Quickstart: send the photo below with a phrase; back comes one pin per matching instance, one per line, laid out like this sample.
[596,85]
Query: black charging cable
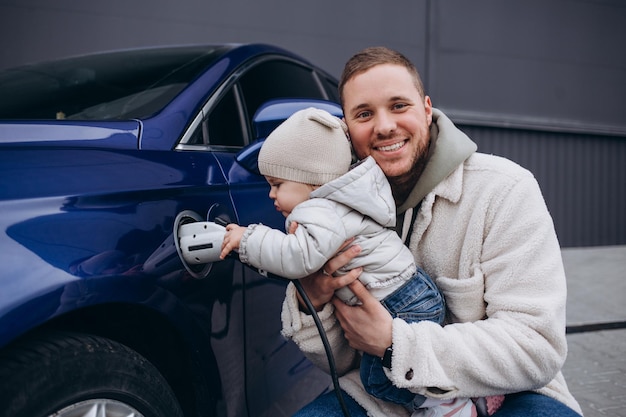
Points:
[329,353]
[318,323]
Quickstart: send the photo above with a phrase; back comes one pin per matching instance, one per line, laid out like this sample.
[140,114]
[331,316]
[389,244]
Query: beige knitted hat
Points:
[310,147]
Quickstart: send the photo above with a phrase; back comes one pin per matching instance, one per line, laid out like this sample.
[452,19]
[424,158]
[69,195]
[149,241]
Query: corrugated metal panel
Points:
[582,177]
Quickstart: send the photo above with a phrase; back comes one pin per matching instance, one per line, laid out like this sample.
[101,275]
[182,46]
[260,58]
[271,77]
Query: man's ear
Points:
[428,109]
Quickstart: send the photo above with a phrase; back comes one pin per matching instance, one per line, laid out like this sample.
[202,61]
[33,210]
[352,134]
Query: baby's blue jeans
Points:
[417,300]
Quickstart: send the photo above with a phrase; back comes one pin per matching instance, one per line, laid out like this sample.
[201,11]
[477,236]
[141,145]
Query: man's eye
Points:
[399,106]
[363,115]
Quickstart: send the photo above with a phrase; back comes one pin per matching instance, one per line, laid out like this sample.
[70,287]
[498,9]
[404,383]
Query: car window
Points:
[277,79]
[224,124]
[265,81]
[118,85]
[331,89]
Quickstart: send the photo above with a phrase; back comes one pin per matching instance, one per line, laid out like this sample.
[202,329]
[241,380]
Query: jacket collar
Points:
[449,148]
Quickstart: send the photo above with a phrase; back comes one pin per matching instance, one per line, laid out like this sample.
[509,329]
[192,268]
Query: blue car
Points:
[103,159]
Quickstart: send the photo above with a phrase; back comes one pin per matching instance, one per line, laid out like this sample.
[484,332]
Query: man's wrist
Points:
[302,304]
[303,307]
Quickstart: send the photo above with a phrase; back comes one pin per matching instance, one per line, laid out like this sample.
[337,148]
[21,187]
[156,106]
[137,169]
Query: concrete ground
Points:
[595,368]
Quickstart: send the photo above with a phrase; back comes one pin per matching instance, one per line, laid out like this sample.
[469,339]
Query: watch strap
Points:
[387,357]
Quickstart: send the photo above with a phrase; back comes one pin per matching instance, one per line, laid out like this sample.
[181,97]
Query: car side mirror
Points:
[269,116]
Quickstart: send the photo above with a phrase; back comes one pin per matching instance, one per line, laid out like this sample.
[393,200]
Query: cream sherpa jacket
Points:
[485,236]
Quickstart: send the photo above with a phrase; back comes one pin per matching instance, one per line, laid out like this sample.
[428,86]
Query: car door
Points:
[273,368]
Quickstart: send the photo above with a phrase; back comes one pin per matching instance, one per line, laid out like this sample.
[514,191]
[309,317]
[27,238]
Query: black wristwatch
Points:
[387,357]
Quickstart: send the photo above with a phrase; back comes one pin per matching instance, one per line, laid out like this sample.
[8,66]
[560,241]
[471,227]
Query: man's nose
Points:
[385,124]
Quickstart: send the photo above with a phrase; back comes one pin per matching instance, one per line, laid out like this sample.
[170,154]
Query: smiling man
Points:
[390,122]
[479,226]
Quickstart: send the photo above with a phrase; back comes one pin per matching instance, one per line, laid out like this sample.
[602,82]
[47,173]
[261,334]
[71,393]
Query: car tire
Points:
[72,375]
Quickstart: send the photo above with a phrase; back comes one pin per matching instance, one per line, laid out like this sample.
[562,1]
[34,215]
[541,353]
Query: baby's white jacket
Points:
[357,204]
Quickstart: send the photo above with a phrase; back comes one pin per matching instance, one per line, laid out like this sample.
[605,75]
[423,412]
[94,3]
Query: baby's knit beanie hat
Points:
[310,147]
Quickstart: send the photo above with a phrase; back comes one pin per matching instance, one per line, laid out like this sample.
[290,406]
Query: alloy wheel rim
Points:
[98,408]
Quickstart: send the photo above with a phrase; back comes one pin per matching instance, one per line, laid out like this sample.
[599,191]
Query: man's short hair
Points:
[377,55]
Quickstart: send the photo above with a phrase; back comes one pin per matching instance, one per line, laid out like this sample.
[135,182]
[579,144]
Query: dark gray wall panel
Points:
[324,31]
[582,177]
[555,64]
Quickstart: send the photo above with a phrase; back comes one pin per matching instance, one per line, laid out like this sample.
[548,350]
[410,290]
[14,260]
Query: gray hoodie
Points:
[358,204]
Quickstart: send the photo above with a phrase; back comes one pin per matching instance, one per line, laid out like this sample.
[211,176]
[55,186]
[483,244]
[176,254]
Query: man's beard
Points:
[401,185]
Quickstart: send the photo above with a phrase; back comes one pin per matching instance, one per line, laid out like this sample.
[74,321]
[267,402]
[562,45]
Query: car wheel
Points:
[78,375]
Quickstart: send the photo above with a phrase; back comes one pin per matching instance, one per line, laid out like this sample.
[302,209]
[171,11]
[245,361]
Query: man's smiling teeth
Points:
[393,147]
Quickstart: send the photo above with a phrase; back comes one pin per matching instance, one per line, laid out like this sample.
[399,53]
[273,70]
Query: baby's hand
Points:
[232,238]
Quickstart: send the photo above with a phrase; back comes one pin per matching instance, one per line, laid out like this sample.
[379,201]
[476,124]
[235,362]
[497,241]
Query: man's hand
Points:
[368,326]
[320,287]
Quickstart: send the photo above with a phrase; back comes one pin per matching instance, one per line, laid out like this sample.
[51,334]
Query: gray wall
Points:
[582,177]
[549,69]
[553,64]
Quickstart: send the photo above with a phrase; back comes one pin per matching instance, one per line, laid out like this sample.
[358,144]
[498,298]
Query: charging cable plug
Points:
[201,242]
